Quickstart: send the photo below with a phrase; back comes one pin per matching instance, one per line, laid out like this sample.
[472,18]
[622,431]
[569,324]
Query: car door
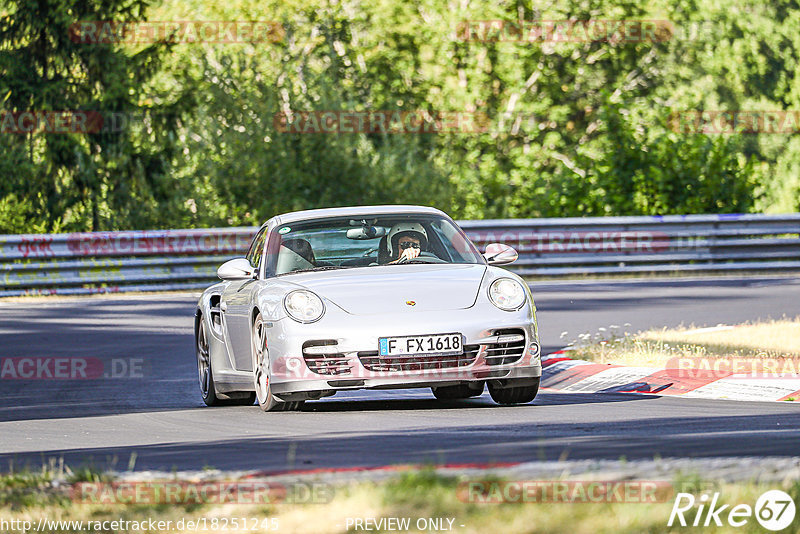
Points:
[236,305]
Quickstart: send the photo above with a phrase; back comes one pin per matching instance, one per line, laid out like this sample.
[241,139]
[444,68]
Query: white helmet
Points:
[415,229]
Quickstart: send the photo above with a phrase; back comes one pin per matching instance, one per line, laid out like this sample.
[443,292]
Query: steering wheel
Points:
[424,257]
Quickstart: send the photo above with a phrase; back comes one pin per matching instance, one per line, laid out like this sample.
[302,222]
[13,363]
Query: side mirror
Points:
[236,269]
[500,254]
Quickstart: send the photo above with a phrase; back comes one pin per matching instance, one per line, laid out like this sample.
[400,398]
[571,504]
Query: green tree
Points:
[576,128]
[85,181]
[645,170]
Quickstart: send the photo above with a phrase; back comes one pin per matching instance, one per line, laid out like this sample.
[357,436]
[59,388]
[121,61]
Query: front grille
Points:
[505,353]
[328,363]
[373,362]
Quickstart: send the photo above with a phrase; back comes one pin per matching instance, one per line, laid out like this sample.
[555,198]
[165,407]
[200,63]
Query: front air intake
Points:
[323,358]
[508,347]
[387,364]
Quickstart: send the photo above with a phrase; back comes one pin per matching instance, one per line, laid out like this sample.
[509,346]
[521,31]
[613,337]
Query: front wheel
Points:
[266,400]
[511,394]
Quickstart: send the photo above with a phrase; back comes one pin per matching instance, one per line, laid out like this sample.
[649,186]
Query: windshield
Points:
[346,242]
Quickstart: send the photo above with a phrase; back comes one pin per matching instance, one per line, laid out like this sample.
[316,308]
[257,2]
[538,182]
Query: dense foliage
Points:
[574,128]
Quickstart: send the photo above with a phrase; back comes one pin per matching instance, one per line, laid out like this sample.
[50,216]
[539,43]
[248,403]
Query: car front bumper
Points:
[353,349]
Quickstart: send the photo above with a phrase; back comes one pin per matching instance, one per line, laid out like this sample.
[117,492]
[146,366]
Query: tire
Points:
[457,392]
[208,390]
[263,390]
[511,394]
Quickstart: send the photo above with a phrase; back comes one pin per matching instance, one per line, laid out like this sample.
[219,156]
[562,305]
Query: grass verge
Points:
[776,339]
[417,496]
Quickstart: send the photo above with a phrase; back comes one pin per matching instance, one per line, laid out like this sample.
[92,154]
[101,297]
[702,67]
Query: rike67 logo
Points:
[774,510]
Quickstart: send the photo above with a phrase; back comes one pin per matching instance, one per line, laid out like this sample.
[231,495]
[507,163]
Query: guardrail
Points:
[109,262]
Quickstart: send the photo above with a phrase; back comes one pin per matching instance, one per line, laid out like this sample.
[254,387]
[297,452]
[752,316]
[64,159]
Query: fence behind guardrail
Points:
[106,262]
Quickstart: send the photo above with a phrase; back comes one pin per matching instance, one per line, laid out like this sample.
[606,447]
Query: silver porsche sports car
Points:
[370,297]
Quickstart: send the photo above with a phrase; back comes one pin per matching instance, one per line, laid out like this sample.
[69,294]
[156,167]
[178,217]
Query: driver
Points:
[405,241]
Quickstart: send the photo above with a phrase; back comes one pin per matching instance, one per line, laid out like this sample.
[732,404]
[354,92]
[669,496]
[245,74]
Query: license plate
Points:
[444,344]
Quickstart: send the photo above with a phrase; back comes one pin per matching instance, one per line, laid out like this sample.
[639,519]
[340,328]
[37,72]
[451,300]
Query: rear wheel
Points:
[457,392]
[206,375]
[261,379]
[511,394]
[204,366]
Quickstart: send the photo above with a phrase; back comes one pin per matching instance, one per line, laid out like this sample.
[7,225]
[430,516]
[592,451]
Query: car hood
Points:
[394,288]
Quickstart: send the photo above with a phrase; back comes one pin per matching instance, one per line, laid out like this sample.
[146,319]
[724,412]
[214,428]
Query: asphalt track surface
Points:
[160,421]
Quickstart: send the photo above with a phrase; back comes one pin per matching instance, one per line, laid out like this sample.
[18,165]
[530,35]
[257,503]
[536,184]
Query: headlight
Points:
[303,306]
[507,294]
